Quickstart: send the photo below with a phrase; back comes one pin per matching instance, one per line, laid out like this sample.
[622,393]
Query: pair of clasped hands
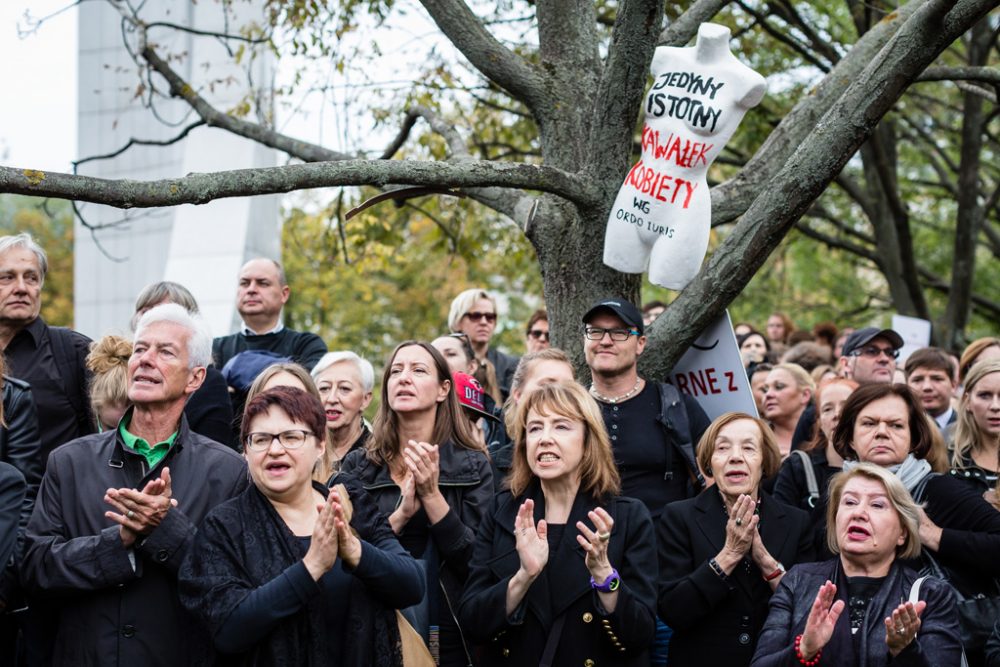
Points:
[140,512]
[420,483]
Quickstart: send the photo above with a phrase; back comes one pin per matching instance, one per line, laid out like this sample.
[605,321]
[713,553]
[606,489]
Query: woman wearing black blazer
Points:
[722,554]
[578,587]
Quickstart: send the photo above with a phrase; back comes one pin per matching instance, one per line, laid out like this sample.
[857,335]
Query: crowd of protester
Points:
[174,499]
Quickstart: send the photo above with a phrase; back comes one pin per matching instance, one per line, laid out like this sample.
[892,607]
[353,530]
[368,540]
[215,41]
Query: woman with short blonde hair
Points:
[868,610]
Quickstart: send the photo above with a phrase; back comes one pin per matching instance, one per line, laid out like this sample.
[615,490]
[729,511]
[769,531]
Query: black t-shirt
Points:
[651,471]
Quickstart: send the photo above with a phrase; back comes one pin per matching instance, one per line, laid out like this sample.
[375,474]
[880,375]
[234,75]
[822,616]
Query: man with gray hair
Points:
[261,294]
[51,359]
[117,512]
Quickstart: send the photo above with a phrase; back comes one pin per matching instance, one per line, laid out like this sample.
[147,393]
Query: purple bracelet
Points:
[609,585]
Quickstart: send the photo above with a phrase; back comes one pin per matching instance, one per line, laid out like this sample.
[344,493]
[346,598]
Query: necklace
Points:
[615,399]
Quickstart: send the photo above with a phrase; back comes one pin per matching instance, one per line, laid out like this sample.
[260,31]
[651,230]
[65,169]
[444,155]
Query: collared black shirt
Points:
[59,389]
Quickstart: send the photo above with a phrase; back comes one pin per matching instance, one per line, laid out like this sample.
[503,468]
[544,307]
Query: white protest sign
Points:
[916,333]
[712,372]
[662,216]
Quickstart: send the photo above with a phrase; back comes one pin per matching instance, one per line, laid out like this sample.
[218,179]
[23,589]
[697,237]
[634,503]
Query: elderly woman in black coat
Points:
[722,553]
[280,575]
[863,608]
[563,571]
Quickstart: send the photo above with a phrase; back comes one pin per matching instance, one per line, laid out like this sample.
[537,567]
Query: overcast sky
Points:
[38,80]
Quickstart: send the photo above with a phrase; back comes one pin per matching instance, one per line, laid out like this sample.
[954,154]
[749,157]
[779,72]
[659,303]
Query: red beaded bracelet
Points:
[802,658]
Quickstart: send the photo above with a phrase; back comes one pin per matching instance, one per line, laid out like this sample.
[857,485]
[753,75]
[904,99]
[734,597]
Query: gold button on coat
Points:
[588,663]
[505,652]
[587,617]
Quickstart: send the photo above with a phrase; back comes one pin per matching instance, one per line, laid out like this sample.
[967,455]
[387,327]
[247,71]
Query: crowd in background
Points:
[172,499]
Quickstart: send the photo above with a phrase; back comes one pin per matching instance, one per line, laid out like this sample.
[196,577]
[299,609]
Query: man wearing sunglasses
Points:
[869,355]
[474,313]
[536,334]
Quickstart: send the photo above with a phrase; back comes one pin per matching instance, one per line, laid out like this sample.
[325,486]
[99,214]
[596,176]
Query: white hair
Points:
[364,367]
[461,304]
[25,241]
[199,344]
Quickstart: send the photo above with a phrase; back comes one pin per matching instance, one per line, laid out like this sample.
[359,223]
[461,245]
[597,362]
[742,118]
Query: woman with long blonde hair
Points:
[976,455]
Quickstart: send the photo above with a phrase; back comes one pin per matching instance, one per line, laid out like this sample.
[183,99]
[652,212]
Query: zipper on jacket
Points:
[461,635]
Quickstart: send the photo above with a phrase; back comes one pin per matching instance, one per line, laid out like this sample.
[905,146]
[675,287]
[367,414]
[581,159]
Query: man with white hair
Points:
[117,512]
[51,359]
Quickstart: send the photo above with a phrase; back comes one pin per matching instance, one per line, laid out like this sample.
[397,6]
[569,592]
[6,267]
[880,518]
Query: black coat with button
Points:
[590,635]
[716,621]
[109,611]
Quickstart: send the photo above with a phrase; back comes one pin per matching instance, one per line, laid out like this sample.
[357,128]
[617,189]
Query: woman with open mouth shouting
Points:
[864,607]
[723,552]
[564,569]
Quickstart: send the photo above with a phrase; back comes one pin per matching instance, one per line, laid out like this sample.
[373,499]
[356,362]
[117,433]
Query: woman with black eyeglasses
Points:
[285,573]
[474,313]
[536,334]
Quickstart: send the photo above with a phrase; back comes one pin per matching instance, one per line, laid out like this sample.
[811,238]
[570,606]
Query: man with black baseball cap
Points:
[869,355]
[653,428]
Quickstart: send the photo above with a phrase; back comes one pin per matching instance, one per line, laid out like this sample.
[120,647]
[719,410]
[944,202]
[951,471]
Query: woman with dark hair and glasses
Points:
[426,471]
[536,334]
[280,575]
[474,313]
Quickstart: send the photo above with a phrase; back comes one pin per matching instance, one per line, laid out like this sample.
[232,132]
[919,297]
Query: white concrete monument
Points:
[663,213]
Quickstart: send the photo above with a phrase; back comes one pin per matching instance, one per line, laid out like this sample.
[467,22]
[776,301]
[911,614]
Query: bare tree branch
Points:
[202,188]
[990,75]
[521,79]
[685,27]
[254,131]
[140,142]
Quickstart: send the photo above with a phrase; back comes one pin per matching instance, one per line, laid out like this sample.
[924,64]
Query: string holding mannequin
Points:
[662,216]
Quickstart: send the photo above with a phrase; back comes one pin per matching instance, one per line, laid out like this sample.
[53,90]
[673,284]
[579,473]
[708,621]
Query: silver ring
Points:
[739,521]
[900,630]
[130,514]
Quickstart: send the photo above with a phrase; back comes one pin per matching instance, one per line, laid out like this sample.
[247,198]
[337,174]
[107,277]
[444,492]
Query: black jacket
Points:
[590,635]
[19,440]
[504,365]
[682,421]
[209,411]
[716,622]
[938,642]
[11,495]
[466,482]
[111,612]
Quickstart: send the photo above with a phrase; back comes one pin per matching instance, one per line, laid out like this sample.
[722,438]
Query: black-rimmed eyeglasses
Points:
[618,335]
[291,439]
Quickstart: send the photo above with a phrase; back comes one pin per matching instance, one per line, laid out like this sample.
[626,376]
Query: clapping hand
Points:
[902,626]
[348,544]
[741,529]
[422,460]
[532,542]
[325,543]
[140,512]
[822,619]
[595,543]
